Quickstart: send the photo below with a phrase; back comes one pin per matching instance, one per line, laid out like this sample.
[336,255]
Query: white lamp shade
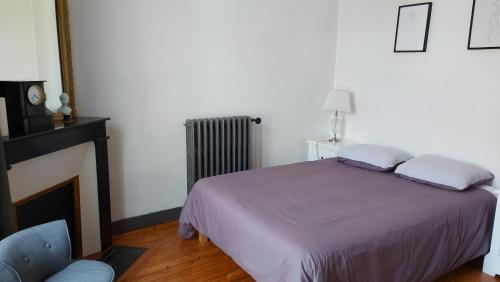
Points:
[338,100]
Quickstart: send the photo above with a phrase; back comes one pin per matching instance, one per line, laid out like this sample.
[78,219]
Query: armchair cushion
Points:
[84,271]
[36,253]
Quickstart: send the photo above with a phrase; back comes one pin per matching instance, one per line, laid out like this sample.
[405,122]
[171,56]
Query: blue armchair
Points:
[43,253]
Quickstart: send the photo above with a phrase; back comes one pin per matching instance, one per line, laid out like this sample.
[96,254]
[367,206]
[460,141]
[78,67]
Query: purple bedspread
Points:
[326,221]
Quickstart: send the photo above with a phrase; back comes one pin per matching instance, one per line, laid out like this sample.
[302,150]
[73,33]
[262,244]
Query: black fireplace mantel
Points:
[22,147]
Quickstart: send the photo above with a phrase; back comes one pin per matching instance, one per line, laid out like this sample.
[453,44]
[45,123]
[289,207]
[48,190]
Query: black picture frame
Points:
[469,47]
[428,24]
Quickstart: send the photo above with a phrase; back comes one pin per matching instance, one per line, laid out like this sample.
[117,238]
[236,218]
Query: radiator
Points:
[217,146]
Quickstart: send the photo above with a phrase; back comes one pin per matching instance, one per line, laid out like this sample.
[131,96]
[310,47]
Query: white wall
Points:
[150,65]
[444,101]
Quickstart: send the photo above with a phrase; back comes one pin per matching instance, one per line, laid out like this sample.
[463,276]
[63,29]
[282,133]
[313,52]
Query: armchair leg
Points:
[202,238]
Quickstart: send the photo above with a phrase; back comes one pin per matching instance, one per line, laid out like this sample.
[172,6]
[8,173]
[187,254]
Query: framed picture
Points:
[485,25]
[412,29]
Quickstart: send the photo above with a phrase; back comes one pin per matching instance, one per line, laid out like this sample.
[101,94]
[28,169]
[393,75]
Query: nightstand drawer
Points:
[324,149]
[321,154]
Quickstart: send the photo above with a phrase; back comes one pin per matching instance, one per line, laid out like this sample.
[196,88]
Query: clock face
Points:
[36,95]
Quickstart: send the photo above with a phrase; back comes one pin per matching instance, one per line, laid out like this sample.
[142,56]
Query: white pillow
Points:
[443,172]
[372,157]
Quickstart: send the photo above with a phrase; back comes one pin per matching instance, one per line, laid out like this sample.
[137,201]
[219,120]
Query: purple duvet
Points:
[326,221]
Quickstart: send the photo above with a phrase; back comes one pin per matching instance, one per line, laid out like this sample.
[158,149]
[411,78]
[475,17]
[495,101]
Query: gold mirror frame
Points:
[65,55]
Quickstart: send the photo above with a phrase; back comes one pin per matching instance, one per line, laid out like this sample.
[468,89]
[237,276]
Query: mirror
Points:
[47,50]
[35,45]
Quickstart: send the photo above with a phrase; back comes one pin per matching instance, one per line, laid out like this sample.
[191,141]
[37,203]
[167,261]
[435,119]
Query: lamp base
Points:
[334,124]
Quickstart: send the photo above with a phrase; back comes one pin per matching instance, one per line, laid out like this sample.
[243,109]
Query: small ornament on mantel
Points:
[64,108]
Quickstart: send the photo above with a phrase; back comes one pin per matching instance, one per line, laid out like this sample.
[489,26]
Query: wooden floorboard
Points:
[169,258]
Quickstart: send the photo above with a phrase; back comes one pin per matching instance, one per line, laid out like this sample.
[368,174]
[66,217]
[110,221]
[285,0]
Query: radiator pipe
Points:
[257,120]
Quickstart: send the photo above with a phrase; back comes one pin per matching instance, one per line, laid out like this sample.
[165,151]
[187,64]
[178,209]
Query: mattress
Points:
[326,221]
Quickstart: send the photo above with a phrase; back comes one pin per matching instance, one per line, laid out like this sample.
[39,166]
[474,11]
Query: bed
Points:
[327,221]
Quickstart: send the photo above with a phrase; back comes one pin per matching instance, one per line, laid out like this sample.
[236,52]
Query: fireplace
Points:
[61,201]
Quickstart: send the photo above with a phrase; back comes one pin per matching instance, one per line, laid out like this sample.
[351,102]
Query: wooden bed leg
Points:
[202,238]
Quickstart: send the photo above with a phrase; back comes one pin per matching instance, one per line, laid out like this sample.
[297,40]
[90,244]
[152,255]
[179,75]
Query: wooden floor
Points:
[171,259]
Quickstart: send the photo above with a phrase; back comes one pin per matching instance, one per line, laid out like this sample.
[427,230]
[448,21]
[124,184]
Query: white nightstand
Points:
[320,149]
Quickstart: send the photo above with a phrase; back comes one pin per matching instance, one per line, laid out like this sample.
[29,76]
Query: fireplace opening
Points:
[61,201]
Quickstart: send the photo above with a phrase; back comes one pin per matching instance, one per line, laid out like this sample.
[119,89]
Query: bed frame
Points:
[491,264]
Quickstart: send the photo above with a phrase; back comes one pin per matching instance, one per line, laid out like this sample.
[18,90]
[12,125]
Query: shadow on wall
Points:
[116,174]
[256,146]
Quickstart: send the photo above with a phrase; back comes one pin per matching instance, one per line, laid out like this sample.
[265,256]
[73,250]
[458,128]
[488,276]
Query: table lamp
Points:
[338,101]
